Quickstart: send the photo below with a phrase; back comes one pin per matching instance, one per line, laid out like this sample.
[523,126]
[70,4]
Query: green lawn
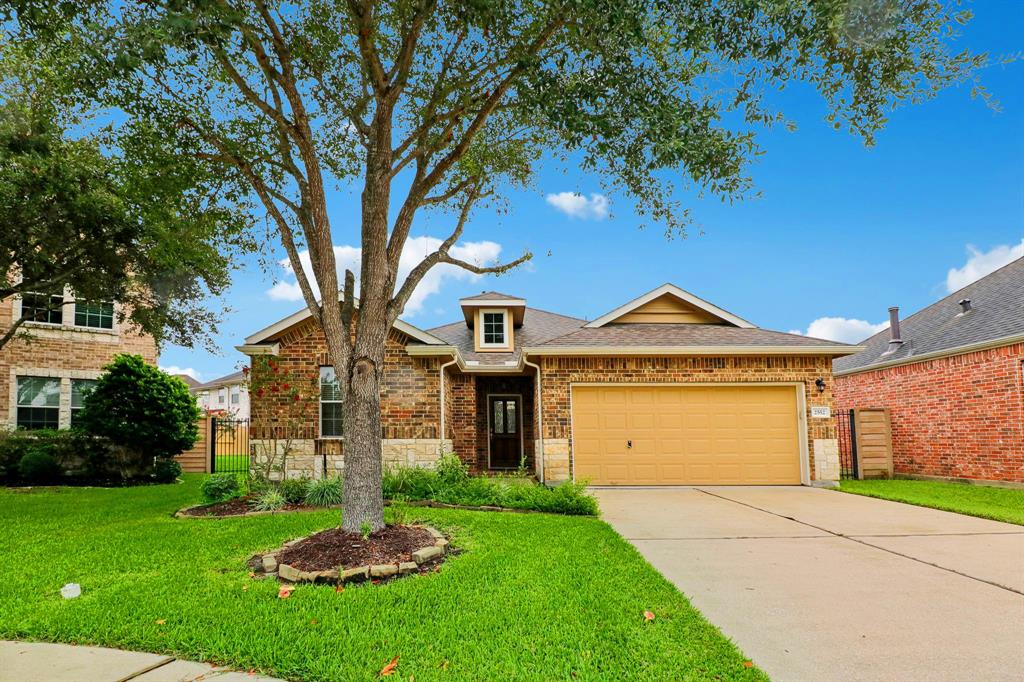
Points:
[1001,504]
[534,596]
[232,463]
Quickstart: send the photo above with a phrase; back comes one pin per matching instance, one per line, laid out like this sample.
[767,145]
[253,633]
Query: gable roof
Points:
[226,380]
[540,326]
[189,381]
[683,295]
[300,315]
[494,296]
[996,318]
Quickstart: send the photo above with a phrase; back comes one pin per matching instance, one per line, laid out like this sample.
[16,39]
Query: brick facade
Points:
[956,417]
[61,351]
[559,373]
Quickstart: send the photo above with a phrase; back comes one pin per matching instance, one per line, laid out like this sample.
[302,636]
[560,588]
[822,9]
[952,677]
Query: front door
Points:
[504,420]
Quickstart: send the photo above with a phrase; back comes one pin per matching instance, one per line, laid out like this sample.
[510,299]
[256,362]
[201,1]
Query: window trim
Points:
[506,342]
[71,400]
[85,301]
[21,309]
[18,406]
[320,407]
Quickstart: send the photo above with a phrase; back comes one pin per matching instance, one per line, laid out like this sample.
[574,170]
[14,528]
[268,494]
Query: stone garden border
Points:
[272,568]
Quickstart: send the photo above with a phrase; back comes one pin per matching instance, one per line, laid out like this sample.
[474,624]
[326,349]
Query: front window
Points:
[80,388]
[94,314]
[330,404]
[38,403]
[493,328]
[48,308]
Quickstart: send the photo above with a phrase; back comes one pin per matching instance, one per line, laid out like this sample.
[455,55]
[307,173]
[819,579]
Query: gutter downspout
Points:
[540,418]
[440,444]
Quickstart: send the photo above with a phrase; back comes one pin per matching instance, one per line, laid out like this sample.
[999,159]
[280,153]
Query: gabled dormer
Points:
[493,317]
[668,304]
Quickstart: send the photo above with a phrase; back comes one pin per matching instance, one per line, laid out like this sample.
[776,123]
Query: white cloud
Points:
[416,248]
[981,263]
[174,369]
[842,329]
[578,206]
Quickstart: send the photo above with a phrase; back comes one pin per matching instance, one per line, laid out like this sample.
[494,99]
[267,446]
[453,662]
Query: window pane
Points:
[494,328]
[38,417]
[96,314]
[235,395]
[42,308]
[330,388]
[330,419]
[499,416]
[511,421]
[38,392]
[79,389]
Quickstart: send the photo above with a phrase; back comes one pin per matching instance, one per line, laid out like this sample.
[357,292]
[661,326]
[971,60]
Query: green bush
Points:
[81,457]
[325,492]
[293,490]
[166,470]
[220,487]
[39,467]
[269,500]
[450,469]
[139,407]
[414,483]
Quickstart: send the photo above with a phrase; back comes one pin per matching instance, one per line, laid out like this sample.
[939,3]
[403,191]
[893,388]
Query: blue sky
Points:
[841,231]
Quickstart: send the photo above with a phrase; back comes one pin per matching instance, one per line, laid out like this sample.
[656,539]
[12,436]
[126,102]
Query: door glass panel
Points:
[511,421]
[499,416]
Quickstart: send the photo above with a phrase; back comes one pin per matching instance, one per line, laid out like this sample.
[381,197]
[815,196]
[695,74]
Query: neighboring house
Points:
[43,377]
[951,376]
[666,389]
[189,381]
[227,395]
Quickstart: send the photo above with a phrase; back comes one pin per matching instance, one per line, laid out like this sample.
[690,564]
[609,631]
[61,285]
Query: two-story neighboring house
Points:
[44,376]
[226,395]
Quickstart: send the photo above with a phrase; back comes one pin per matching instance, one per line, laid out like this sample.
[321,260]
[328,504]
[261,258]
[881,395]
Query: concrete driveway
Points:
[821,585]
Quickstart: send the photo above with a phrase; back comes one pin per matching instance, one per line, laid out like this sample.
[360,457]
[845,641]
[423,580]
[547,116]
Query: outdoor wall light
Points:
[820,383]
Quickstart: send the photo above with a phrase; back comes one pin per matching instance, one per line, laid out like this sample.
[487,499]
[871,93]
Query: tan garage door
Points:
[685,435]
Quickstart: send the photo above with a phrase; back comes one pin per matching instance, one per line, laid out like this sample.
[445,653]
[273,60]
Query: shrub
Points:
[220,487]
[141,408]
[269,500]
[166,470]
[450,469]
[325,492]
[293,489]
[39,467]
[79,455]
[409,483]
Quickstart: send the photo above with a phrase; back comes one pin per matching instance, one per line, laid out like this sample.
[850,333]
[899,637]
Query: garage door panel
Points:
[686,435]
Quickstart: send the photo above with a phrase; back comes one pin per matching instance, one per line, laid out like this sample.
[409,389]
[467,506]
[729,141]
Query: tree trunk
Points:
[363,501]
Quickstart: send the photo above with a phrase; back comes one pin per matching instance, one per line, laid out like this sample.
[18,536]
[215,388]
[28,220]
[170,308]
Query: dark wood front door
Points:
[505,421]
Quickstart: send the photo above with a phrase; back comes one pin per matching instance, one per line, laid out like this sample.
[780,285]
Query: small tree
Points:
[141,409]
[282,414]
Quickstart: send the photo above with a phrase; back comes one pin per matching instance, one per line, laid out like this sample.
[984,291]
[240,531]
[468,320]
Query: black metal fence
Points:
[847,433]
[229,445]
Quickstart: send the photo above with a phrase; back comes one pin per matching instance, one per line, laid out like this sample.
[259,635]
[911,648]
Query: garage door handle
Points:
[629,444]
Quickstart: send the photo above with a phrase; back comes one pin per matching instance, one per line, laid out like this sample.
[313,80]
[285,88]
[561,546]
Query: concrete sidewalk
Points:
[822,586]
[36,662]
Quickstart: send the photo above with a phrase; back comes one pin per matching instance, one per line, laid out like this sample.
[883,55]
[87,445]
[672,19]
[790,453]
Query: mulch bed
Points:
[237,507]
[334,547]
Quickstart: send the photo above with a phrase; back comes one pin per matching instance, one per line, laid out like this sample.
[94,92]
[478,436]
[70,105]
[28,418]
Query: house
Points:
[227,395]
[665,389]
[57,354]
[951,376]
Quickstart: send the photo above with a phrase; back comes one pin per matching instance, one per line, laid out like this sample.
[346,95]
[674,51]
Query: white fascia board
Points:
[468,366]
[300,315]
[678,293]
[259,349]
[693,350]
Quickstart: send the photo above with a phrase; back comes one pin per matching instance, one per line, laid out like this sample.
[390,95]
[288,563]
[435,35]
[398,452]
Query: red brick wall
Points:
[460,420]
[960,417]
[410,393]
[559,373]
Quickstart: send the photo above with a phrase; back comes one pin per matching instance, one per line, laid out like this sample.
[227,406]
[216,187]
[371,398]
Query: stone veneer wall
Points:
[559,373]
[307,459]
[65,352]
[955,417]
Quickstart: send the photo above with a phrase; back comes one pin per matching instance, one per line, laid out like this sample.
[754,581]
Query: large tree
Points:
[100,221]
[436,106]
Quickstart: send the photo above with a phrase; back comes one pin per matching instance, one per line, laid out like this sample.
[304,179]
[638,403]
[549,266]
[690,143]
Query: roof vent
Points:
[965,306]
[895,340]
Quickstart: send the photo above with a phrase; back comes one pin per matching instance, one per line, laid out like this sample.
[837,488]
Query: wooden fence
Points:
[872,429]
[197,460]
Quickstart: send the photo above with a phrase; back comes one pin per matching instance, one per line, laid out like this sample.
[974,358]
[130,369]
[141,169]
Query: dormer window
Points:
[494,328]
